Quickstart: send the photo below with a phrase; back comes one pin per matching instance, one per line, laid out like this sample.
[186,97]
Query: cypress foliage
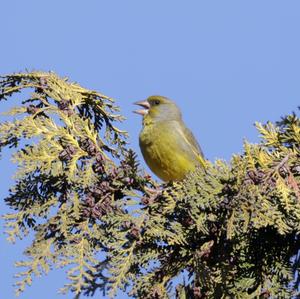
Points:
[228,231]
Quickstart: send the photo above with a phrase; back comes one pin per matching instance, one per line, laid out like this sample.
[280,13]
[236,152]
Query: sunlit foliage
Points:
[228,231]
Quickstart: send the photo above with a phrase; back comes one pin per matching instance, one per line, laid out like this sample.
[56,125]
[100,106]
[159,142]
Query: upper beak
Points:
[143,104]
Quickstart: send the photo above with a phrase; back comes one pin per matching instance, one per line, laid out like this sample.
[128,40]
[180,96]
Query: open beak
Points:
[143,104]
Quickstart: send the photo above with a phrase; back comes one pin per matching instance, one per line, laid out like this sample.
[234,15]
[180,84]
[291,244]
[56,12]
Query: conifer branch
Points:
[231,231]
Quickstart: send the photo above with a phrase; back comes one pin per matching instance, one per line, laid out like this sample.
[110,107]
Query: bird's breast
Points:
[166,153]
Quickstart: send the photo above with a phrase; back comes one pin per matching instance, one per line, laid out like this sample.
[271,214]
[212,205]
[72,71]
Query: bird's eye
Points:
[156,102]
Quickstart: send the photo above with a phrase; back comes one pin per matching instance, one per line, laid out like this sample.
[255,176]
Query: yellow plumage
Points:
[168,146]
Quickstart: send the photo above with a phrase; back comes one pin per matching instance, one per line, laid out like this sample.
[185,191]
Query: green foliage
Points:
[232,229]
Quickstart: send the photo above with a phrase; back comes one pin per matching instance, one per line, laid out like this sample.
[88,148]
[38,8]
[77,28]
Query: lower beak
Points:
[143,104]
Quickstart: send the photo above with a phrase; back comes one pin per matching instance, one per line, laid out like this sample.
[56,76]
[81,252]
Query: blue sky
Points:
[226,63]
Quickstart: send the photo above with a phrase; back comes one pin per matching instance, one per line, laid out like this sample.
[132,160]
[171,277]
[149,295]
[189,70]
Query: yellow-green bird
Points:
[168,146]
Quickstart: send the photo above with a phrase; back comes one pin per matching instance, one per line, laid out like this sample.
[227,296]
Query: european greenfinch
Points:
[168,146]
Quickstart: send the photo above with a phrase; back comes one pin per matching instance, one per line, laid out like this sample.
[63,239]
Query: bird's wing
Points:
[192,140]
[188,136]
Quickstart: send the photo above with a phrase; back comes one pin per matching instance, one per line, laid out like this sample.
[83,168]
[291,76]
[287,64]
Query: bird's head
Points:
[158,108]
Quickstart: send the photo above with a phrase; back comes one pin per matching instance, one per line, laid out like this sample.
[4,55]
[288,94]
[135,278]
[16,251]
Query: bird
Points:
[169,148]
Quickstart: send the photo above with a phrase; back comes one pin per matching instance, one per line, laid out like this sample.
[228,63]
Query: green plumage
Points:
[168,146]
